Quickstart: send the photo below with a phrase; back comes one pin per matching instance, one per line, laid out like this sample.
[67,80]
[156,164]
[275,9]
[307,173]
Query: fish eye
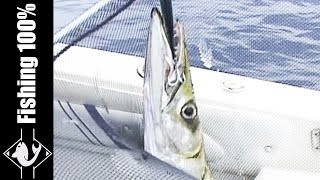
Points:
[189,112]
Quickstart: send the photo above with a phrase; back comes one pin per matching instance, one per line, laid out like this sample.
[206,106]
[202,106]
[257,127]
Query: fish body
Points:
[172,130]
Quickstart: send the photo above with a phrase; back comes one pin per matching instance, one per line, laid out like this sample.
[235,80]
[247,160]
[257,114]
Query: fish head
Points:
[21,151]
[172,131]
[170,110]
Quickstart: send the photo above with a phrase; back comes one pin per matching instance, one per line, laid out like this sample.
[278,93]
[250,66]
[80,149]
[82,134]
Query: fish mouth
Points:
[174,61]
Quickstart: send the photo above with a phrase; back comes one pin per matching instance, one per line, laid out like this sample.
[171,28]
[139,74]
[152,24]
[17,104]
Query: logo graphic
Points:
[20,155]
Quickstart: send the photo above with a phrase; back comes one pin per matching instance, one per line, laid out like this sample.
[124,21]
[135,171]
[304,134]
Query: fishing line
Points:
[94,29]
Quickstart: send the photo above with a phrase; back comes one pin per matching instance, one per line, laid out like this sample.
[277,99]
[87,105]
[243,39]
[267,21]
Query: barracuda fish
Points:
[172,129]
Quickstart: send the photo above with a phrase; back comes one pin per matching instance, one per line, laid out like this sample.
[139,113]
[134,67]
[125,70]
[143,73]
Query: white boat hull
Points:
[248,123]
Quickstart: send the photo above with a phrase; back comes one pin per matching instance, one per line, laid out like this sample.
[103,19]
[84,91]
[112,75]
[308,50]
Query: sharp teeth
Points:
[175,42]
[175,32]
[176,38]
[175,35]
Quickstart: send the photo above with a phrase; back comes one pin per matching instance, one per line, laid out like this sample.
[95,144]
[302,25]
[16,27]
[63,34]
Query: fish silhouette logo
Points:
[23,156]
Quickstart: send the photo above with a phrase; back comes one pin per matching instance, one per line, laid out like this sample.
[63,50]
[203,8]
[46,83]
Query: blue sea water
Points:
[273,40]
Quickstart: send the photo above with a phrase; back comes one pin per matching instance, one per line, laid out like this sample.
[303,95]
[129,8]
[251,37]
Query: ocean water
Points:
[273,40]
